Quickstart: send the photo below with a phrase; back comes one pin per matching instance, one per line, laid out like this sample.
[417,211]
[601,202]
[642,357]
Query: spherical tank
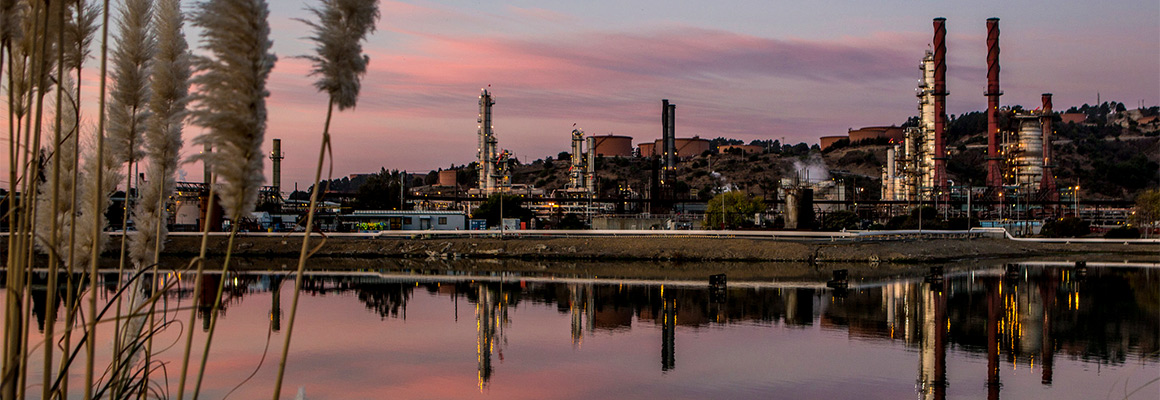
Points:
[613,146]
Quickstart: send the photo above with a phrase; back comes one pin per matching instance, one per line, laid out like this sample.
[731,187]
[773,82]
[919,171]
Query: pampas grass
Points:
[170,89]
[231,101]
[66,153]
[129,97]
[231,105]
[338,36]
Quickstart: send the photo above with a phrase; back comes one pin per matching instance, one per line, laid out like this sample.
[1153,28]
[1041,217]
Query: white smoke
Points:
[723,184]
[812,169]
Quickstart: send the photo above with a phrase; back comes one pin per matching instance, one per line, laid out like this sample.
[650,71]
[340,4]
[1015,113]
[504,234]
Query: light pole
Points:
[1075,199]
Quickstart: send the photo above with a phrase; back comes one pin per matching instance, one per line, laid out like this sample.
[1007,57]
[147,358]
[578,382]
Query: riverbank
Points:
[898,250]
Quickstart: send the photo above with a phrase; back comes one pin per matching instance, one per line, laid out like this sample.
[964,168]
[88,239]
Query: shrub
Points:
[1123,232]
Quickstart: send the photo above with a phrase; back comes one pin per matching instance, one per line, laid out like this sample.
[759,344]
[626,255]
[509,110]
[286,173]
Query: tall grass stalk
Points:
[38,42]
[231,106]
[128,109]
[338,35]
[91,326]
[54,239]
[80,33]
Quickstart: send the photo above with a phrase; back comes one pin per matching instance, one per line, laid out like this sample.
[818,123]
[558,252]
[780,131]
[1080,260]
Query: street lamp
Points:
[1075,199]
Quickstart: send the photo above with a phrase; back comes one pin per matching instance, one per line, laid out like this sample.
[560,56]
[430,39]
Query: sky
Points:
[744,69]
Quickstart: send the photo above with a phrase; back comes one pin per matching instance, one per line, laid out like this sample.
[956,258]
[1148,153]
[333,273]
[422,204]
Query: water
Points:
[1039,332]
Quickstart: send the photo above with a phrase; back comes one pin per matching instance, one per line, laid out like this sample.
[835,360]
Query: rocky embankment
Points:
[913,250]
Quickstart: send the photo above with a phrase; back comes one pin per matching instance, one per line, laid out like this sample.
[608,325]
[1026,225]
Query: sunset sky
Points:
[742,69]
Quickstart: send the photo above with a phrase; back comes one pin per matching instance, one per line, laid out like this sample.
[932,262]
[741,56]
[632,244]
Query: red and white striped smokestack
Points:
[994,172]
[1047,183]
[940,106]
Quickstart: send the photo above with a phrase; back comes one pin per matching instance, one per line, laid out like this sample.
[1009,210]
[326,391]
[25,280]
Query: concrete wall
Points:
[629,223]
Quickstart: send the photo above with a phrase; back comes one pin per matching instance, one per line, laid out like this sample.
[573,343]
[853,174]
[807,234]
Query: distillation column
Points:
[920,142]
[576,171]
[591,167]
[994,171]
[487,144]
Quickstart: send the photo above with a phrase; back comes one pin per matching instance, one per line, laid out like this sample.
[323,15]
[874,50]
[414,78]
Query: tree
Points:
[1066,227]
[513,207]
[571,221]
[840,220]
[1147,211]
[380,191]
[732,209]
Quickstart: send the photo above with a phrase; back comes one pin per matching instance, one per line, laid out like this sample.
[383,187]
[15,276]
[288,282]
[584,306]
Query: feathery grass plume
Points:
[11,12]
[79,32]
[338,35]
[129,97]
[67,153]
[231,101]
[170,87]
[231,105]
[89,192]
[342,26]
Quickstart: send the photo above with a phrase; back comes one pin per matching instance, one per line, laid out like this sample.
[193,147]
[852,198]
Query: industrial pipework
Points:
[994,173]
[940,107]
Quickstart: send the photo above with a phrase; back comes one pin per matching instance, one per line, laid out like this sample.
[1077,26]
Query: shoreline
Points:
[909,250]
[902,251]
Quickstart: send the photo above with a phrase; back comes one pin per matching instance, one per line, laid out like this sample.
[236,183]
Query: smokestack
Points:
[668,136]
[671,159]
[207,169]
[1047,183]
[940,106]
[276,157]
[994,172]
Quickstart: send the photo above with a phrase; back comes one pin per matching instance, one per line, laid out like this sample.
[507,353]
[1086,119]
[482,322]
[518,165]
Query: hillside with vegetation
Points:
[1110,156]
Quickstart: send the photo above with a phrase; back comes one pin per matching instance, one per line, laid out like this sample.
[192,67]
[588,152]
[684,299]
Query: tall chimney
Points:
[1047,183]
[207,168]
[668,137]
[276,157]
[940,106]
[994,171]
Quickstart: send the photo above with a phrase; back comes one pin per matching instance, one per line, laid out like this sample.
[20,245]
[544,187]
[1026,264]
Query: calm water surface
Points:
[1041,332]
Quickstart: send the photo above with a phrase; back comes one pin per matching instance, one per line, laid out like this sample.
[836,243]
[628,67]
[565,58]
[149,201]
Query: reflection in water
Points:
[1016,320]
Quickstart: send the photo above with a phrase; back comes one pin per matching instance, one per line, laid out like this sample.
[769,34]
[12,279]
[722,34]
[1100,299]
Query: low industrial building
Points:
[394,220]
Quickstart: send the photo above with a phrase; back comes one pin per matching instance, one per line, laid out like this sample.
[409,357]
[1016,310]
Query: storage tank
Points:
[744,148]
[691,147]
[647,149]
[613,146]
[1030,159]
[826,141]
[447,177]
[686,147]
